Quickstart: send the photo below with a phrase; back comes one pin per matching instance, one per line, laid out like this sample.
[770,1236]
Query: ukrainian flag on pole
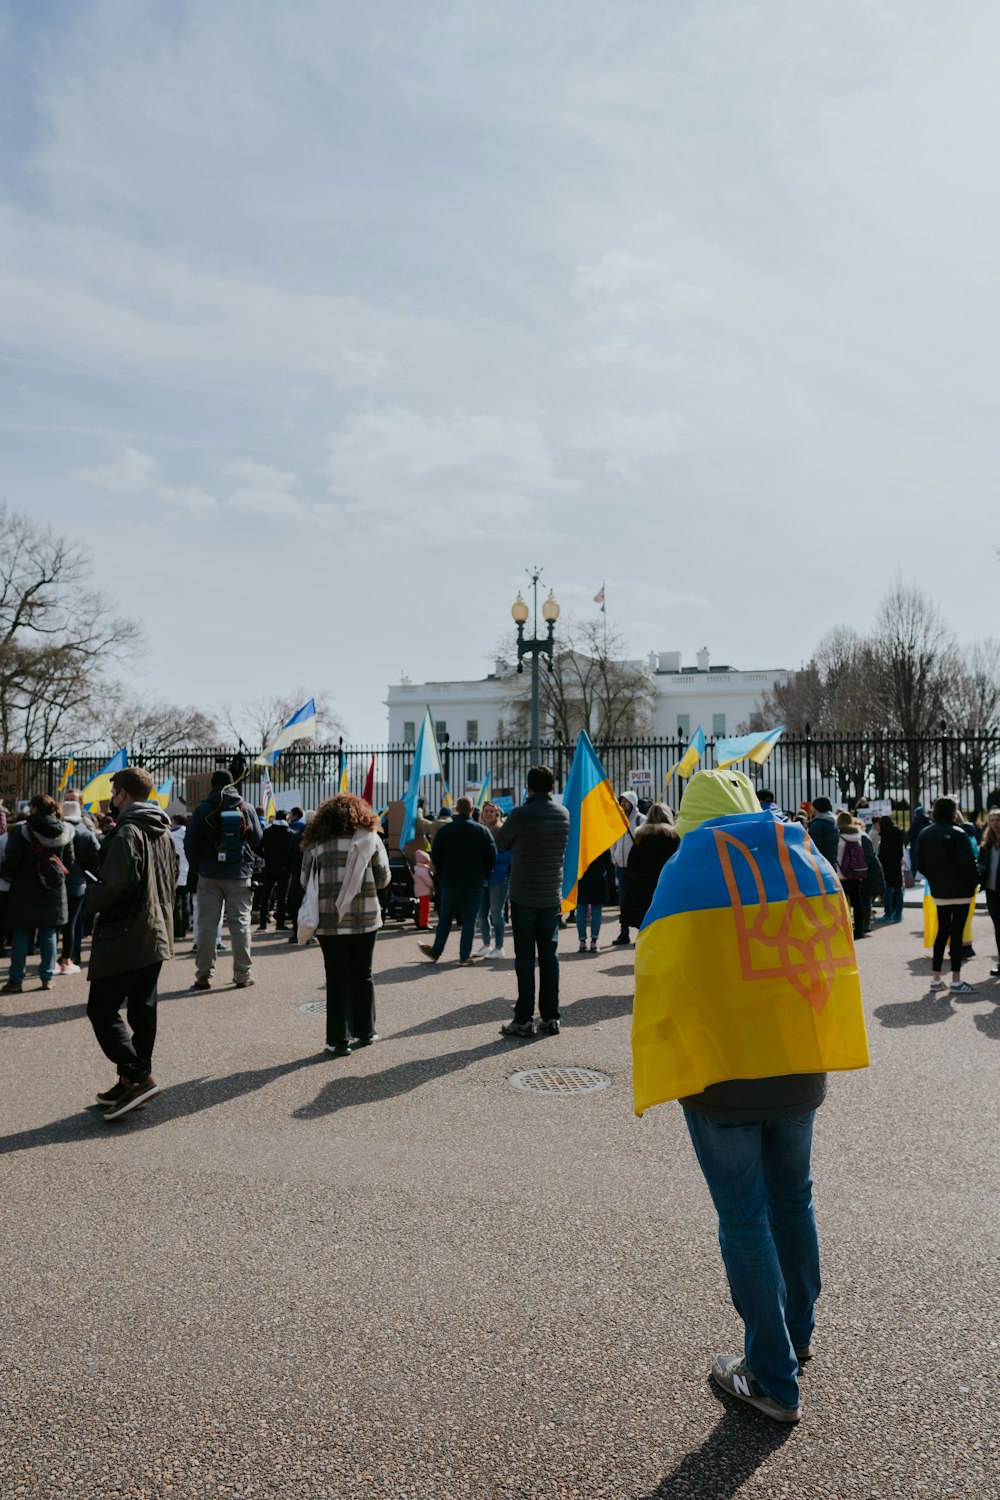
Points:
[301,726]
[267,796]
[67,776]
[98,788]
[596,820]
[426,762]
[486,790]
[163,793]
[756,747]
[692,755]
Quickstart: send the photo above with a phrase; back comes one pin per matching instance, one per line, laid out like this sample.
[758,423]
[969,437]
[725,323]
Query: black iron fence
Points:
[800,767]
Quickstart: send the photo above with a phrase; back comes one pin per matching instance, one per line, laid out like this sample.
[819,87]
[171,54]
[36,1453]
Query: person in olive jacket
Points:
[33,905]
[133,901]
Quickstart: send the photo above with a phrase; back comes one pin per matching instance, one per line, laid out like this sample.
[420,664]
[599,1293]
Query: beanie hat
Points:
[715,794]
[822,804]
[71,812]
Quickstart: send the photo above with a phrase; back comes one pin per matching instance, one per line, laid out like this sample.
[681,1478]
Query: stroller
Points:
[399,904]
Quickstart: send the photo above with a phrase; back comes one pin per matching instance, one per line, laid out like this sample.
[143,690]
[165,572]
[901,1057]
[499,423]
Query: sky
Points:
[319,323]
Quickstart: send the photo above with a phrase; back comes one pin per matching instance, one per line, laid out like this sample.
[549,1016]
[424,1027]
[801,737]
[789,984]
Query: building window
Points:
[472,771]
[683,726]
[472,731]
[409,731]
[440,729]
[718,726]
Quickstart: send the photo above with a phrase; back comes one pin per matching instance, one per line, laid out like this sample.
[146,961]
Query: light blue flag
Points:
[301,726]
[756,747]
[426,762]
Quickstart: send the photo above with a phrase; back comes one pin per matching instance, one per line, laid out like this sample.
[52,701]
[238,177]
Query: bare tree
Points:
[591,686]
[57,634]
[971,705]
[125,718]
[257,720]
[913,659]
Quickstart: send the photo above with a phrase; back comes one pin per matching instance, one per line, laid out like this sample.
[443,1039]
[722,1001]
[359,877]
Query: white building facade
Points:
[720,699]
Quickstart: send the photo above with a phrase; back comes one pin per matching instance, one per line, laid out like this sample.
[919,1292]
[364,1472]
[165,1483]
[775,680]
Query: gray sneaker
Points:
[730,1373]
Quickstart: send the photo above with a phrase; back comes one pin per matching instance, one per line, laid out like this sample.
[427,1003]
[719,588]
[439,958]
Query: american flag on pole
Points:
[599,598]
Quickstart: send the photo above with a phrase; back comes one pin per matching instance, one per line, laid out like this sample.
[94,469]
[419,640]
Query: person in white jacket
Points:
[620,851]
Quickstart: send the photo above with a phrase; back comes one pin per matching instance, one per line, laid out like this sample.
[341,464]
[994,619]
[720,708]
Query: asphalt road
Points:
[394,1275]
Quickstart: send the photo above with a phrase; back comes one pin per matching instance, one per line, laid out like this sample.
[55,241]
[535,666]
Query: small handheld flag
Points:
[163,793]
[756,747]
[692,755]
[67,777]
[485,790]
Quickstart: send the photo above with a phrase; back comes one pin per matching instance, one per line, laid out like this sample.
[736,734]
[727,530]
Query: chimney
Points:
[702,659]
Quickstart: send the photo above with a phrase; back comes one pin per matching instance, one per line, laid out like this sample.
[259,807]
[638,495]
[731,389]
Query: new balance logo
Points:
[741,1385]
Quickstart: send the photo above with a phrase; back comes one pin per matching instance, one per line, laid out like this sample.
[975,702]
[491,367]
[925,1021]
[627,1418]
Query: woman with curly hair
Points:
[342,846]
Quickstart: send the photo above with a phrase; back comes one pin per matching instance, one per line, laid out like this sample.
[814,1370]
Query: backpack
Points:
[853,862]
[49,867]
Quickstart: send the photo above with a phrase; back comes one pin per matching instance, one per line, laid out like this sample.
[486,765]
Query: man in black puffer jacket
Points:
[463,855]
[536,834]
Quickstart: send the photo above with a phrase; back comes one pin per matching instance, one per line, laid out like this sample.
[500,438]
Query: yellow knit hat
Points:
[715,794]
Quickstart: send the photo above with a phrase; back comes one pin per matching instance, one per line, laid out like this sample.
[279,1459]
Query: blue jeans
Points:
[761,1184]
[491,912]
[20,941]
[458,902]
[893,900]
[596,913]
[536,929]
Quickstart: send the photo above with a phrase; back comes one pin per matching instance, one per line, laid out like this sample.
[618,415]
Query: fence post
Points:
[809,765]
[944,759]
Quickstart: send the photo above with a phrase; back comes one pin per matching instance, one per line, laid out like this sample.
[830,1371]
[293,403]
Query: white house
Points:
[717,698]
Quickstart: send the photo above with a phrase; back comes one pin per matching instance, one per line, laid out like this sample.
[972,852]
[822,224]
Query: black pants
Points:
[350,993]
[951,925]
[272,881]
[72,933]
[852,890]
[136,989]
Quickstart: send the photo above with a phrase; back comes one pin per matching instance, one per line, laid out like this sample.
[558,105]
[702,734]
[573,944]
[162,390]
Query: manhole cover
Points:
[311,1007]
[559,1080]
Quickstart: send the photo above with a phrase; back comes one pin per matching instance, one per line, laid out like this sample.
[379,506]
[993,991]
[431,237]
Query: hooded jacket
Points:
[133,898]
[29,904]
[711,794]
[201,843]
[825,835]
[622,847]
[944,857]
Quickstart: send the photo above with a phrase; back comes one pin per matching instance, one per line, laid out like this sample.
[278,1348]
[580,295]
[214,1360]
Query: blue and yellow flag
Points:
[744,965]
[342,788]
[301,726]
[163,793]
[267,797]
[756,747]
[596,820]
[485,789]
[692,755]
[98,788]
[67,776]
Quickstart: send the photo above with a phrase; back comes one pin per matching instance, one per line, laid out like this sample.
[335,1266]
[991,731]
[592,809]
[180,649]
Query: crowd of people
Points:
[136,879]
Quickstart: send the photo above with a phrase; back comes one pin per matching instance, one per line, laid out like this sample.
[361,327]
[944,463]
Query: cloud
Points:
[135,473]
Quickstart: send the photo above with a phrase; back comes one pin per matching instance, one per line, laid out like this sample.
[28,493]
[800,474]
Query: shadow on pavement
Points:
[372,1088]
[990,1026]
[926,1011]
[583,1012]
[50,1017]
[729,1456]
[620,971]
[174,1103]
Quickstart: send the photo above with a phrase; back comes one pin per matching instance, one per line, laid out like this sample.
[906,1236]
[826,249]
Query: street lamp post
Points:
[535,647]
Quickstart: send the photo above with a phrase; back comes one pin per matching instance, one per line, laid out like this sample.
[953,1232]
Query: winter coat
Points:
[276,842]
[622,847]
[86,854]
[874,882]
[423,880]
[825,835]
[463,853]
[597,882]
[364,914]
[201,841]
[890,856]
[134,895]
[650,853]
[536,833]
[945,859]
[30,904]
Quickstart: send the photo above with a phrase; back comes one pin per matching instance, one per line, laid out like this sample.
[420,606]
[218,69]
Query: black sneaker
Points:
[12,988]
[132,1096]
[730,1373]
[518,1028]
[621,941]
[365,1041]
[548,1028]
[338,1049]
[202,984]
[995,973]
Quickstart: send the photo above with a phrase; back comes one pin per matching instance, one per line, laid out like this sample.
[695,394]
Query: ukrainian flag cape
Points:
[744,965]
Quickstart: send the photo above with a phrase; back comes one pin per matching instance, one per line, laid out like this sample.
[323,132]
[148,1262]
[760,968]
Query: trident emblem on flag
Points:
[803,939]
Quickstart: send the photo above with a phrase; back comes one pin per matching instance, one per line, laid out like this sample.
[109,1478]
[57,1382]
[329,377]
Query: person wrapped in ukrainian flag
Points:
[747,994]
